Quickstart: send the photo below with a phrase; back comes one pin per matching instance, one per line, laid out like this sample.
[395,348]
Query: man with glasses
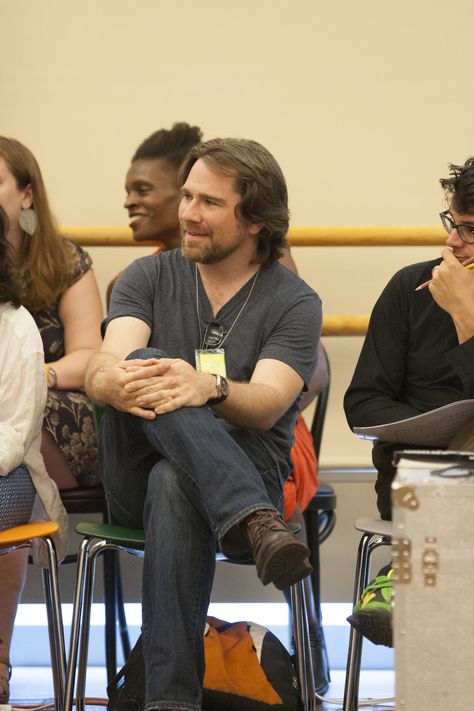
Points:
[418,355]
[206,354]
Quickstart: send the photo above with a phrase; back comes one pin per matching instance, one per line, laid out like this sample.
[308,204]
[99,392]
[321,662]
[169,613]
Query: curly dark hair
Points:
[9,288]
[172,144]
[459,187]
[259,181]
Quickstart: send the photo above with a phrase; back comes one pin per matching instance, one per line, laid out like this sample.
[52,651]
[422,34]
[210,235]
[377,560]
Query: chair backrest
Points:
[319,416]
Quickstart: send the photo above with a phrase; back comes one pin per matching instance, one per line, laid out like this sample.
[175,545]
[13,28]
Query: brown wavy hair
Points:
[9,289]
[43,261]
[259,181]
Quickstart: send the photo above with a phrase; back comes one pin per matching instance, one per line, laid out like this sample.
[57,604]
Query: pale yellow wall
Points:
[363,103]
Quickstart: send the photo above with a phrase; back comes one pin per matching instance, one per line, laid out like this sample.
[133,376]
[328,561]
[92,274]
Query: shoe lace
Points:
[262,521]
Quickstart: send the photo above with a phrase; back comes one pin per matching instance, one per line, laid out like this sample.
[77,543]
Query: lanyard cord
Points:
[236,318]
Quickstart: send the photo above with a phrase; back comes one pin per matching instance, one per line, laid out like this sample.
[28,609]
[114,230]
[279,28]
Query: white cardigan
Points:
[23,393]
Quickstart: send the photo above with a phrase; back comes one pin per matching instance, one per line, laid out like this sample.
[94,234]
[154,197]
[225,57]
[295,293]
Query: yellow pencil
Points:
[425,283]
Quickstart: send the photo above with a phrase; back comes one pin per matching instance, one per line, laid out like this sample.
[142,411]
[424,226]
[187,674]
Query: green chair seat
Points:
[129,537]
[121,535]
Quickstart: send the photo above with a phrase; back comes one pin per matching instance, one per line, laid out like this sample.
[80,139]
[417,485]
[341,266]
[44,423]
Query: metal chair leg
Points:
[76,622]
[122,619]
[302,645]
[88,585]
[55,623]
[110,604]
[368,543]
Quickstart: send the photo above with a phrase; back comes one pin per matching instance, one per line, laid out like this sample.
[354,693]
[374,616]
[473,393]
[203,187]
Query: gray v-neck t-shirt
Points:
[281,320]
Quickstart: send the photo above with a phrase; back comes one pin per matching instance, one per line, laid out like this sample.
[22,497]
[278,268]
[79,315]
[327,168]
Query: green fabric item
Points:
[377,595]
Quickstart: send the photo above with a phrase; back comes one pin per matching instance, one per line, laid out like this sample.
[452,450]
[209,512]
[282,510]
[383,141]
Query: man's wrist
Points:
[464,325]
[221,388]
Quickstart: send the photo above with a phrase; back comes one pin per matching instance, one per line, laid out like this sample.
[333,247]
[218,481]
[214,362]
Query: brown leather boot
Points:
[281,558]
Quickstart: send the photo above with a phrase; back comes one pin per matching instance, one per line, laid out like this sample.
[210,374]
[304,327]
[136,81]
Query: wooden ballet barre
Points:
[345,325]
[333,324]
[298,236]
[366,236]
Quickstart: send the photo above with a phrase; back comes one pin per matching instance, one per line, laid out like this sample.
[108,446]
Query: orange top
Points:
[301,485]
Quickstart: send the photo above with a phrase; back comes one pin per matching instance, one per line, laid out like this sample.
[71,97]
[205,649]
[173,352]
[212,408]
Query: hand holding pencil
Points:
[452,288]
[469,264]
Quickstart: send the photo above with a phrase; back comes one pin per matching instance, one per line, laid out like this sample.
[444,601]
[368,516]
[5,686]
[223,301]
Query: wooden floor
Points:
[34,686]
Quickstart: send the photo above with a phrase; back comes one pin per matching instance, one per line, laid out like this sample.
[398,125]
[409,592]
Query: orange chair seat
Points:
[19,534]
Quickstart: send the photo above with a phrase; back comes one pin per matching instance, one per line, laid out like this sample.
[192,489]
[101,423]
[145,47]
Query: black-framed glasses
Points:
[465,232]
[213,335]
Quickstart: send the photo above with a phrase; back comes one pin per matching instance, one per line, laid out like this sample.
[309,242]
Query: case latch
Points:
[401,558]
[404,497]
[430,561]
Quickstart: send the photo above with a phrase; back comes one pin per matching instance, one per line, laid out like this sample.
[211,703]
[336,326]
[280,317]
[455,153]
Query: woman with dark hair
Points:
[57,286]
[26,490]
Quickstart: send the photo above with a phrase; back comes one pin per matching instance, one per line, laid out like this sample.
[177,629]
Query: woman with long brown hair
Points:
[59,289]
[56,284]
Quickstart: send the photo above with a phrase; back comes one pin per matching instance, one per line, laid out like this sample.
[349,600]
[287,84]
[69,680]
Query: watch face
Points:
[224,387]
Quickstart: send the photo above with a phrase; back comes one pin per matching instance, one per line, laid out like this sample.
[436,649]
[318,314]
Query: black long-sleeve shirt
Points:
[411,360]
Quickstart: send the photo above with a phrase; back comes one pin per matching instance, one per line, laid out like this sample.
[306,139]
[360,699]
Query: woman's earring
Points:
[28,221]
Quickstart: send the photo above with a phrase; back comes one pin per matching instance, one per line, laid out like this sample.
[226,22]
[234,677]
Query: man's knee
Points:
[163,481]
[144,353]
[170,492]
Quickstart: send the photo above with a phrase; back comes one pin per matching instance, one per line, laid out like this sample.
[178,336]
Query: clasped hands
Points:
[156,386]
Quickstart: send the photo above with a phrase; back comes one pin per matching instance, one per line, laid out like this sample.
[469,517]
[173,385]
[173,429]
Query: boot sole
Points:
[286,565]
[375,625]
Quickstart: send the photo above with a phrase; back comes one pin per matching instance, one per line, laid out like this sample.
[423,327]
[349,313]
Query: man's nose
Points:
[190,211]
[453,239]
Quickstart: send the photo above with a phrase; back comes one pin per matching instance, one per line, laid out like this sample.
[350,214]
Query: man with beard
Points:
[207,351]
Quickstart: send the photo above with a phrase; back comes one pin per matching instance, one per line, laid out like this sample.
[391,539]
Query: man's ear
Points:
[255,229]
[27,198]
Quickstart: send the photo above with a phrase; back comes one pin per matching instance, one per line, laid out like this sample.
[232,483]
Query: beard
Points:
[210,253]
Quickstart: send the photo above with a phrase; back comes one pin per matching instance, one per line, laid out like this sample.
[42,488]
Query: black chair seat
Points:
[324,500]
[84,500]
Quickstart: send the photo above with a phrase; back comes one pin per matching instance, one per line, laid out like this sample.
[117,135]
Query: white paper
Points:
[434,428]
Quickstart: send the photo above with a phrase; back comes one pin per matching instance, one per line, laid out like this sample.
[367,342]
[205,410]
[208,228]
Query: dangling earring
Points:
[28,221]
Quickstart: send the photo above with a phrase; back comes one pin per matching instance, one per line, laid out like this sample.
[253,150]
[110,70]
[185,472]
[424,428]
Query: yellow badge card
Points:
[211,361]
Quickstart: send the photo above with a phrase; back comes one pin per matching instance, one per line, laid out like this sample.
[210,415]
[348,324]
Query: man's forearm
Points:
[252,406]
[96,381]
[368,408]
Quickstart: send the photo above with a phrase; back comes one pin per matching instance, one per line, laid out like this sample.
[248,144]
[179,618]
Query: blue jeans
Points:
[188,478]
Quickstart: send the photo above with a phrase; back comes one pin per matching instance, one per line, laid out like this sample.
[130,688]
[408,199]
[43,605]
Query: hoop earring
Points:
[28,221]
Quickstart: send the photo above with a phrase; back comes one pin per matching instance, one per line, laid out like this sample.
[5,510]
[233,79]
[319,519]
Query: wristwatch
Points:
[222,387]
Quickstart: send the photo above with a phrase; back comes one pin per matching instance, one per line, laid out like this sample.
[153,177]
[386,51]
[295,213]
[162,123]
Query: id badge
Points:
[210,361]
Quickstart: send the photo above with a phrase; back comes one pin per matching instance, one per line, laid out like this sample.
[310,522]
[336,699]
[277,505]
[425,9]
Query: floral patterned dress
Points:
[68,414]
